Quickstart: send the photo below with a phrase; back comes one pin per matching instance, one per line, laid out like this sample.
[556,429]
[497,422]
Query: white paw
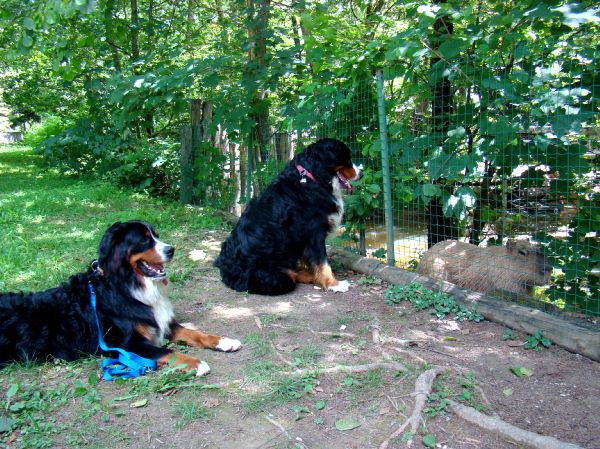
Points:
[202,369]
[189,326]
[342,286]
[228,345]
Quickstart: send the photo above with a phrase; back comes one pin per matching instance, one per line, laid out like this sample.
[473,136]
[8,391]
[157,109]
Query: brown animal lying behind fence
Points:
[515,268]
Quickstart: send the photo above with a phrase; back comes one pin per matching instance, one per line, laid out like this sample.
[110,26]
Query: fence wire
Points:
[505,164]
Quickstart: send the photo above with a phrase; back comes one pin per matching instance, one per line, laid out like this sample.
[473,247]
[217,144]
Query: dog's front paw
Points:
[202,369]
[228,345]
[342,286]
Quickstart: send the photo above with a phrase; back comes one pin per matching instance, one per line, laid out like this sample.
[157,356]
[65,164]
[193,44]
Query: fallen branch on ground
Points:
[297,441]
[506,430]
[351,368]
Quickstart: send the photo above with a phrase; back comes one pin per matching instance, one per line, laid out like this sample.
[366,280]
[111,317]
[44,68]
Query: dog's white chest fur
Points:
[154,294]
[335,219]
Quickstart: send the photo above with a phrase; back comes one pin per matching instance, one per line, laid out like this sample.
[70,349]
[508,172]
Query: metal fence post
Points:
[385,166]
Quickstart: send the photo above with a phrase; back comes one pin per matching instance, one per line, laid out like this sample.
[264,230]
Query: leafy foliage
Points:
[439,303]
[537,341]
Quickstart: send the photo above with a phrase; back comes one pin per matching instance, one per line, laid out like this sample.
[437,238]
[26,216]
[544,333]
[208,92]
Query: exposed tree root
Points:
[351,368]
[504,429]
[423,387]
[297,441]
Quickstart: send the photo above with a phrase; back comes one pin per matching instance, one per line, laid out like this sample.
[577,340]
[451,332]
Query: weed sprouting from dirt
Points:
[188,410]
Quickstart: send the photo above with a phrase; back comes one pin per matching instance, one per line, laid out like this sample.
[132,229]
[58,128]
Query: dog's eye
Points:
[145,240]
[523,252]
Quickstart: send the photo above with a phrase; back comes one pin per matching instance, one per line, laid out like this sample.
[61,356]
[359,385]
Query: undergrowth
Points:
[439,303]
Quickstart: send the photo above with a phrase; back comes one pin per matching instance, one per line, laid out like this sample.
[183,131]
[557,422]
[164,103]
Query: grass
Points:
[52,224]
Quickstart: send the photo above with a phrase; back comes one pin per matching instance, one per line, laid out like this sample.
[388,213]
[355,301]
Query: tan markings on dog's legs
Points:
[190,363]
[292,274]
[306,277]
[146,331]
[324,278]
[199,339]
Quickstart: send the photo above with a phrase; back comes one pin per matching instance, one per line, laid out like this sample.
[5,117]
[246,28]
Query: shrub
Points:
[49,127]
[92,148]
[151,167]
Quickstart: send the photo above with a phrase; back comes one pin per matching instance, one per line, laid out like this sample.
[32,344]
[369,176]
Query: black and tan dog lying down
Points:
[133,310]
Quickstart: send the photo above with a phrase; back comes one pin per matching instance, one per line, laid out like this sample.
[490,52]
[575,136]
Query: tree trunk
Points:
[440,227]
[110,34]
[258,21]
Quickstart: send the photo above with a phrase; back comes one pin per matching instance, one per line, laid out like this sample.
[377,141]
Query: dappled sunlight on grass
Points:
[52,224]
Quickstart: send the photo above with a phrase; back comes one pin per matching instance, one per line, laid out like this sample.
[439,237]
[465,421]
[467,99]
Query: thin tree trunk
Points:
[110,34]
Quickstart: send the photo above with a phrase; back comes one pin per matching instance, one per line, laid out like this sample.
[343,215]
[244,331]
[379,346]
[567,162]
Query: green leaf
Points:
[12,390]
[140,403]
[520,371]
[6,424]
[507,391]
[429,440]
[320,405]
[27,41]
[347,423]
[451,48]
[93,379]
[28,23]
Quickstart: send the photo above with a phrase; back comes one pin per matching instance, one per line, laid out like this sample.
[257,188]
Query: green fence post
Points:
[385,166]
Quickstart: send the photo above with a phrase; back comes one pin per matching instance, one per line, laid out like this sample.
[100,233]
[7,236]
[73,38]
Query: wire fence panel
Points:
[494,176]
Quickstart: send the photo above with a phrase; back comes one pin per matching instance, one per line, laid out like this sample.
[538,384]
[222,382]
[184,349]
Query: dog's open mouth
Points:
[344,181]
[152,270]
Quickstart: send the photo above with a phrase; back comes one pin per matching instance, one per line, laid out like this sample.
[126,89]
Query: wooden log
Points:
[560,330]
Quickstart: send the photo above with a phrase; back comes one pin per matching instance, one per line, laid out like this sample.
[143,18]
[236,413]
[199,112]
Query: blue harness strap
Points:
[127,364]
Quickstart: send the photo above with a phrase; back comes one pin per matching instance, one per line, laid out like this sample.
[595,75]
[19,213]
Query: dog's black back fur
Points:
[289,221]
[60,323]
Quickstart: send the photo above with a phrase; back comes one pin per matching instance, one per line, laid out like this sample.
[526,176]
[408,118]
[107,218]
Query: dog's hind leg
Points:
[271,282]
[193,337]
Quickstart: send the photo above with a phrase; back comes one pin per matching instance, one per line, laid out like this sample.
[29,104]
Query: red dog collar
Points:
[304,172]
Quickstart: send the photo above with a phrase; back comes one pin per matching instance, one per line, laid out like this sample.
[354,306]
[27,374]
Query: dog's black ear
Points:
[109,243]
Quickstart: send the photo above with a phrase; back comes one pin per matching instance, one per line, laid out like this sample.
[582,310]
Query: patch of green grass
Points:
[306,356]
[343,320]
[258,344]
[30,407]
[269,318]
[52,223]
[188,410]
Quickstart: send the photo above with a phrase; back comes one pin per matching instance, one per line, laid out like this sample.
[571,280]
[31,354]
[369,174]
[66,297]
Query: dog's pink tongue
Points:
[345,182]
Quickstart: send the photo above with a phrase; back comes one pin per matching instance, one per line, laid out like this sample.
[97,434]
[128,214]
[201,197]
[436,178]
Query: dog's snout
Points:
[359,172]
[169,251]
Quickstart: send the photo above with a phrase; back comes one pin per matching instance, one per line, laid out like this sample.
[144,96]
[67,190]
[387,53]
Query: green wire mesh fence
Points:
[493,171]
[496,171]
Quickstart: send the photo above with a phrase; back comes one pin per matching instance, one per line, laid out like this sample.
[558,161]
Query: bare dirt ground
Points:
[257,403]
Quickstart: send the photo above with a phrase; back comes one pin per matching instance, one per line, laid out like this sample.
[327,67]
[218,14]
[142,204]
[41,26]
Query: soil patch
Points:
[253,399]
